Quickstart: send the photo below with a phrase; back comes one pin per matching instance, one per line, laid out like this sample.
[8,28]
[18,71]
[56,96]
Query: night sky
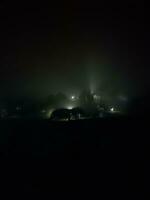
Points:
[49,48]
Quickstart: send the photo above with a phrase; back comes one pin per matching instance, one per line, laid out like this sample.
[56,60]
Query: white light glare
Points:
[73,97]
[69,107]
[112,109]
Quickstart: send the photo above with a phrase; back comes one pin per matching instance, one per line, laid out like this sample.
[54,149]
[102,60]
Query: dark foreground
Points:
[102,158]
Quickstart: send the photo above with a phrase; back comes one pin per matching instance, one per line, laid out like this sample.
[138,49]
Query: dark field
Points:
[89,158]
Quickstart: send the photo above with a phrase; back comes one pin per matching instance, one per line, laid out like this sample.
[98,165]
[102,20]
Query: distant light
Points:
[72,97]
[69,107]
[112,109]
[95,96]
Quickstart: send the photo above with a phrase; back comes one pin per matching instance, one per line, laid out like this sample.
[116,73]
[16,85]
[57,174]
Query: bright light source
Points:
[72,97]
[69,107]
[112,109]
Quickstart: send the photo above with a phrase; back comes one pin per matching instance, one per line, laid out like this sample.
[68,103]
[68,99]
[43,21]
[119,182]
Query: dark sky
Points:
[46,48]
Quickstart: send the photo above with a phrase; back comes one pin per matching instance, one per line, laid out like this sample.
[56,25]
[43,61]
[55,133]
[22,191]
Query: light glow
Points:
[112,109]
[69,107]
[72,97]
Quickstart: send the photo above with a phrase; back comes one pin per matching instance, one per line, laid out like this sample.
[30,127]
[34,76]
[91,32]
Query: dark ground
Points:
[100,158]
